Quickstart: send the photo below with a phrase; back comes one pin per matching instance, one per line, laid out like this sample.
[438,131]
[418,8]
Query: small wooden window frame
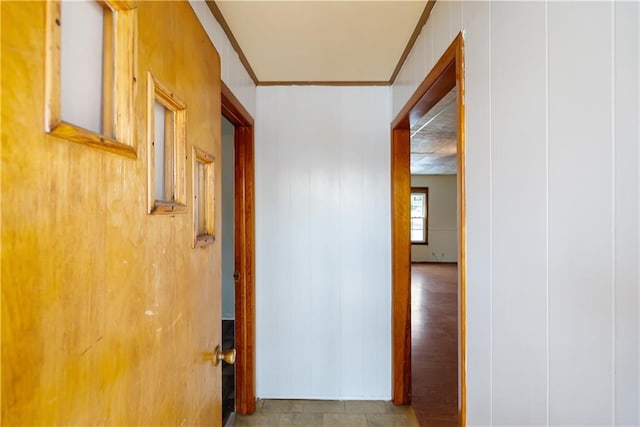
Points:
[207,161]
[158,92]
[118,80]
[425,191]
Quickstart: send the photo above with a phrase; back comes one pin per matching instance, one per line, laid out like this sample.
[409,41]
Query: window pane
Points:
[201,199]
[81,63]
[158,150]
[419,215]
[417,235]
[417,205]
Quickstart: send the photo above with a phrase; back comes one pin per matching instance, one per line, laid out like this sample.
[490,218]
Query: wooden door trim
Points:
[444,76]
[244,200]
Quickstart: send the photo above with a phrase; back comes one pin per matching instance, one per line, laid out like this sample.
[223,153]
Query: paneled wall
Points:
[442,221]
[323,242]
[552,107]
[234,75]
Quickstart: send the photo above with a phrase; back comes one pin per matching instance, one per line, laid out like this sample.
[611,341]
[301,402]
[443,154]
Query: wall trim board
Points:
[444,76]
[324,83]
[244,202]
[433,262]
[233,110]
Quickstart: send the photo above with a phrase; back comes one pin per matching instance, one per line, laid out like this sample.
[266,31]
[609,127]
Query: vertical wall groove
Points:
[490,221]
[613,213]
[546,131]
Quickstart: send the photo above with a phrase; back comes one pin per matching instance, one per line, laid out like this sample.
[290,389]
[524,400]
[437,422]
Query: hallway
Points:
[434,339]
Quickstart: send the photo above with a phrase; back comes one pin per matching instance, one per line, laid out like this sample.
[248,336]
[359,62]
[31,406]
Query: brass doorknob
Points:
[228,356]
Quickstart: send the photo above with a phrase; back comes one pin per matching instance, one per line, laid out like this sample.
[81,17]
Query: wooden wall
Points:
[106,311]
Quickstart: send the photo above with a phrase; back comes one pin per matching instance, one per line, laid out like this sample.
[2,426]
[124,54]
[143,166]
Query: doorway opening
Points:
[228,265]
[241,284]
[446,75]
[434,268]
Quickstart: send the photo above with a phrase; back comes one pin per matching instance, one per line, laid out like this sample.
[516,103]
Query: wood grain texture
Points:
[107,312]
[245,265]
[445,75]
[205,198]
[244,236]
[175,148]
[125,72]
[108,78]
[401,265]
[119,81]
[52,64]
[434,389]
[462,234]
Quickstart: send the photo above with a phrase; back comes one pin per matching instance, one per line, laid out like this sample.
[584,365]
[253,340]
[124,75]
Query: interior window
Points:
[89,99]
[166,115]
[419,215]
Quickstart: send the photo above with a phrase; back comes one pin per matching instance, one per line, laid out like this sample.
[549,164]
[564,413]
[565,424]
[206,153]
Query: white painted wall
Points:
[234,75]
[228,216]
[553,211]
[442,222]
[323,294]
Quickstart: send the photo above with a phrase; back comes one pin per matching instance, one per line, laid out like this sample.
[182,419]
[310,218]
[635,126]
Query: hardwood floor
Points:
[434,342]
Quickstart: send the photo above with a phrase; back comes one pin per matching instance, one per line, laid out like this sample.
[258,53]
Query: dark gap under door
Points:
[228,375]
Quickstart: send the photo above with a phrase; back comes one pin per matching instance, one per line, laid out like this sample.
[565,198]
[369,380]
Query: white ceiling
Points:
[322,41]
[337,42]
[433,139]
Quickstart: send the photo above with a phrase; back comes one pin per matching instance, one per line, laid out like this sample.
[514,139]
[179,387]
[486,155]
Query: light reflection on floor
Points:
[434,343]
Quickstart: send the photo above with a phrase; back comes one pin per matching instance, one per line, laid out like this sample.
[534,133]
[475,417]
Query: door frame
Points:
[244,214]
[447,73]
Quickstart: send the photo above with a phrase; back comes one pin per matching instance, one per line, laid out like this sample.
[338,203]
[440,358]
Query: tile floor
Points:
[325,413]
